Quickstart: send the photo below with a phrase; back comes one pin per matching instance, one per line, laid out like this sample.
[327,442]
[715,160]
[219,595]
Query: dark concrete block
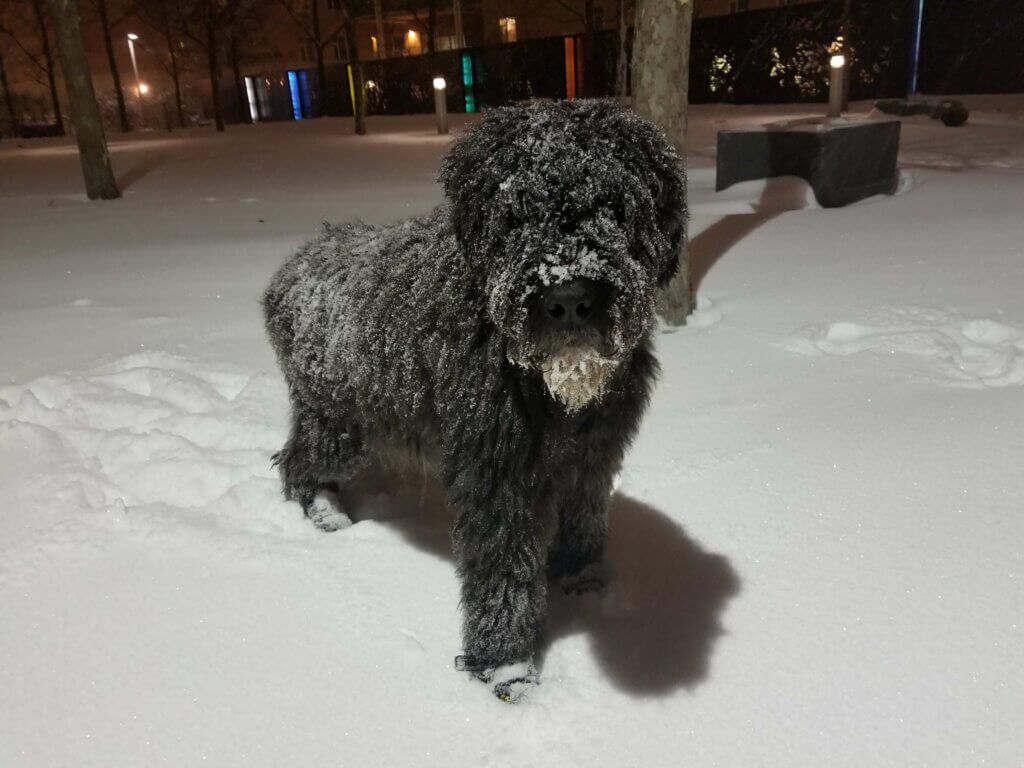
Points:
[844,160]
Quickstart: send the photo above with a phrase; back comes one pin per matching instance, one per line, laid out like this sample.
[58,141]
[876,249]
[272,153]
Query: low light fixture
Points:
[441,104]
[836,84]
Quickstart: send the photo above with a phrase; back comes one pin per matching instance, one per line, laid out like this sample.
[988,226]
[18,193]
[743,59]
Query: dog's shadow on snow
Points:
[654,626]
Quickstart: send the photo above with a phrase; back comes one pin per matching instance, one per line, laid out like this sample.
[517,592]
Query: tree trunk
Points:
[661,58]
[321,71]
[460,37]
[211,58]
[622,65]
[236,72]
[359,89]
[85,113]
[431,27]
[589,50]
[122,111]
[321,80]
[174,62]
[44,37]
[378,15]
[12,113]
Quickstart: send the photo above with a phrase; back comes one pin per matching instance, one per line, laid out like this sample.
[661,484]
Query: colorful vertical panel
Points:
[351,87]
[250,92]
[570,68]
[467,83]
[293,89]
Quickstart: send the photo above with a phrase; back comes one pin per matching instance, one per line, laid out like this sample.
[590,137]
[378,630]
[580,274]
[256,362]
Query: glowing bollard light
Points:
[837,73]
[441,104]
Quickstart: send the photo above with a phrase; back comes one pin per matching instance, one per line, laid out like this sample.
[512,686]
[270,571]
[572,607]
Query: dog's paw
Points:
[509,682]
[325,512]
[591,578]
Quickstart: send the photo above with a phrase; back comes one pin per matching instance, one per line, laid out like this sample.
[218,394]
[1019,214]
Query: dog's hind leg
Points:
[321,452]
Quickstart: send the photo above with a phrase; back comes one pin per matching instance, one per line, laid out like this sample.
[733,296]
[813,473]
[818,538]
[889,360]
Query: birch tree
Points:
[661,70]
[85,112]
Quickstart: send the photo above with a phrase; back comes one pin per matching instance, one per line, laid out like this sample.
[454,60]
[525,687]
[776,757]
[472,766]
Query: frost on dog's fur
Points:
[573,200]
[425,333]
[577,376]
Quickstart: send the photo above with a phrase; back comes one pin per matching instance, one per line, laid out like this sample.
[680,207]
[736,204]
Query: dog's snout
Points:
[578,304]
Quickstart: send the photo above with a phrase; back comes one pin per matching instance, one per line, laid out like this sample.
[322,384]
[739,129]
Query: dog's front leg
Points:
[501,543]
[576,554]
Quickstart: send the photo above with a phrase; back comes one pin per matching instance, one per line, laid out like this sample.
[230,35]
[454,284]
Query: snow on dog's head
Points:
[573,214]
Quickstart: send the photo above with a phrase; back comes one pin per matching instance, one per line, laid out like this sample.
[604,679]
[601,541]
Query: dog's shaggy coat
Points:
[427,333]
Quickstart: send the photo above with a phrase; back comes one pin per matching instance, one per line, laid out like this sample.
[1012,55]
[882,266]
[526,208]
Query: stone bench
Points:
[843,159]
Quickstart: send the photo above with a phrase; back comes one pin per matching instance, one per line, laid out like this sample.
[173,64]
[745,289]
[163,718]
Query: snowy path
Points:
[817,544]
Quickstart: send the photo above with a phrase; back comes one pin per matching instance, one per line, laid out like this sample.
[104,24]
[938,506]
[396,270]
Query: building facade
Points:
[267,38]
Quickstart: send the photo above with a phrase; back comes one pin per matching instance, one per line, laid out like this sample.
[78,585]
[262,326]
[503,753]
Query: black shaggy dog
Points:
[506,336]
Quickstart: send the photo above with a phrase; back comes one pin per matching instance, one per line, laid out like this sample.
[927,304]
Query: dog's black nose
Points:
[578,304]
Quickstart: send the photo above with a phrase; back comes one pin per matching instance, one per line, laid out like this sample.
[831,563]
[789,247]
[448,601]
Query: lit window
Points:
[508,29]
[373,44]
[413,45]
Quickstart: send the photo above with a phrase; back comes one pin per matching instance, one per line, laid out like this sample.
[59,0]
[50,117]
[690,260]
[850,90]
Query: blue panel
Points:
[293,87]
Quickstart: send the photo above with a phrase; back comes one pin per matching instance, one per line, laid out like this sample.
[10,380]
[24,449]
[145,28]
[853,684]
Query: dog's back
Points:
[351,316]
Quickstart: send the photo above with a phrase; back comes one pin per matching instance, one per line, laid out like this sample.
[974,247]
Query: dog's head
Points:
[573,213]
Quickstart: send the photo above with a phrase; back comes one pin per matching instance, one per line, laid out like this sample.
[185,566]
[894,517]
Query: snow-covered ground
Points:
[816,547]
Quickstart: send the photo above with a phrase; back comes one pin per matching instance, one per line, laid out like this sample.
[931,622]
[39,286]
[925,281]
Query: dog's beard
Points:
[576,376]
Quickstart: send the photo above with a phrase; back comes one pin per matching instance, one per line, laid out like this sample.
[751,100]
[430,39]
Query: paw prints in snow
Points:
[978,352]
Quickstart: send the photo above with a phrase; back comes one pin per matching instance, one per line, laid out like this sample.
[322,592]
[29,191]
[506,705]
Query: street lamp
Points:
[140,87]
[441,104]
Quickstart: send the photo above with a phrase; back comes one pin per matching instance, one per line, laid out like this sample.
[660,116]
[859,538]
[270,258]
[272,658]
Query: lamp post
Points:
[132,37]
[441,104]
[837,73]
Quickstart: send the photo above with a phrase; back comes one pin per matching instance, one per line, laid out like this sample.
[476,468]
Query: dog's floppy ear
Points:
[666,177]
[472,171]
[671,206]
